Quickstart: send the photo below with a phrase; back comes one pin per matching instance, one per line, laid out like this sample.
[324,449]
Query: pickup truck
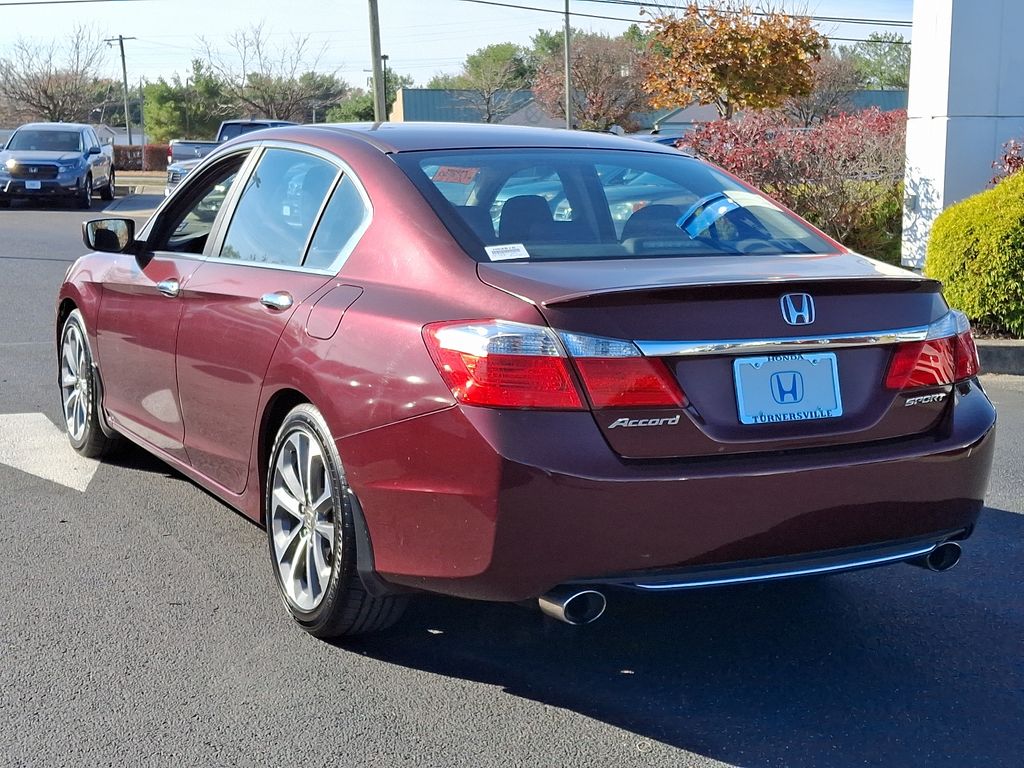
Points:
[180,150]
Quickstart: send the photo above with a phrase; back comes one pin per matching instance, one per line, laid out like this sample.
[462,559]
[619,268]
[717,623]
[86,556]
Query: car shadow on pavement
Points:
[894,666]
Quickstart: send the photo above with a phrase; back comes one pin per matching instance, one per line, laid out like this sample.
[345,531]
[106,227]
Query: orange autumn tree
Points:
[732,55]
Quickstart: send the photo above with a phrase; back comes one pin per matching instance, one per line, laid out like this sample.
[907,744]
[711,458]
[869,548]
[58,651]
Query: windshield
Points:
[554,204]
[46,141]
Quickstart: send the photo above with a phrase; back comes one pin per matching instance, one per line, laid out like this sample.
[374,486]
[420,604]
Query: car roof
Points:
[411,137]
[54,126]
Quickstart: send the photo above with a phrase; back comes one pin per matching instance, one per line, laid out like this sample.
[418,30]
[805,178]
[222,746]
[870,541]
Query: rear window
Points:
[557,204]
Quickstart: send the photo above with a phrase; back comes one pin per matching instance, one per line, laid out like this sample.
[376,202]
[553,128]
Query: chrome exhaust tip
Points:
[942,558]
[573,605]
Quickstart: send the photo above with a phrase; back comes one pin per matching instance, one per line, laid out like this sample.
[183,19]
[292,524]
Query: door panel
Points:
[141,306]
[135,331]
[225,341]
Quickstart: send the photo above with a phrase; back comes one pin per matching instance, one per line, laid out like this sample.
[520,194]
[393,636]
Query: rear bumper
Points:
[776,569]
[503,505]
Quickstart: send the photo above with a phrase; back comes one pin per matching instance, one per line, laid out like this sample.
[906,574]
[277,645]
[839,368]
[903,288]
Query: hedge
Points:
[977,250]
[151,157]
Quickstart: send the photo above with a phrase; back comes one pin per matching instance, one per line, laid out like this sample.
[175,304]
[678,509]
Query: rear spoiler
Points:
[750,288]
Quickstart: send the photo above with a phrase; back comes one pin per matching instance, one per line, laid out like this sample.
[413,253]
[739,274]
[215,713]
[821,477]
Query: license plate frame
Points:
[774,389]
[33,185]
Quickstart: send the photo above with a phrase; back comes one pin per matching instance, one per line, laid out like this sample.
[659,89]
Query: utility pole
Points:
[124,72]
[379,106]
[142,120]
[568,69]
[384,70]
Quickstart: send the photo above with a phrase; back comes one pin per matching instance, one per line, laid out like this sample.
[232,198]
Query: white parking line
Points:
[30,442]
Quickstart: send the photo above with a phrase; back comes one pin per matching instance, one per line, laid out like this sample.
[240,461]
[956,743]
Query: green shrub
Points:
[977,250]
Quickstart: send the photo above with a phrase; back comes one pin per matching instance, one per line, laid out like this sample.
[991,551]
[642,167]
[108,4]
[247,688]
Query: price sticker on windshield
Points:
[453,174]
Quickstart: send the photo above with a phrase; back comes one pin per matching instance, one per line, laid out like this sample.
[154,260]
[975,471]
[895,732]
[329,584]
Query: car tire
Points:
[311,534]
[107,193]
[76,378]
[85,194]
[5,203]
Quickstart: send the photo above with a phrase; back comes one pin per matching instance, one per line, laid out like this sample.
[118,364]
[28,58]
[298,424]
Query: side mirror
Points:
[109,235]
[94,150]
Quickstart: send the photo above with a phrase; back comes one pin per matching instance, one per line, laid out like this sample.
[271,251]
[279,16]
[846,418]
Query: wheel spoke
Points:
[284,543]
[325,503]
[68,380]
[283,499]
[312,573]
[286,471]
[71,412]
[298,564]
[302,459]
[70,354]
[80,412]
[323,570]
[326,530]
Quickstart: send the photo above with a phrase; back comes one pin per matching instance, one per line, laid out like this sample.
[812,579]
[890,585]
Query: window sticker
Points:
[453,174]
[507,252]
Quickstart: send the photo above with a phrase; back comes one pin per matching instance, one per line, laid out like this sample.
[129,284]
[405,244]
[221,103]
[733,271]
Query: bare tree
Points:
[55,82]
[277,82]
[835,78]
[606,82]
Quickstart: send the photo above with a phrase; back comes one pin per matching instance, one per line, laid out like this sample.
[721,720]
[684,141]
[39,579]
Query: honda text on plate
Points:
[520,364]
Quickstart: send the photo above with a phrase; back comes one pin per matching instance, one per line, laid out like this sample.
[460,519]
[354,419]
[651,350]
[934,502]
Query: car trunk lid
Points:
[717,324]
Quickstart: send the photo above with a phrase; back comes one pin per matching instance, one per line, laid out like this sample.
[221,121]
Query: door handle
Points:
[278,300]
[168,288]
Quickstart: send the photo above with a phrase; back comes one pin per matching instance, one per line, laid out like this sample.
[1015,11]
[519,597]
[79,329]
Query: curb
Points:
[1001,356]
[123,190]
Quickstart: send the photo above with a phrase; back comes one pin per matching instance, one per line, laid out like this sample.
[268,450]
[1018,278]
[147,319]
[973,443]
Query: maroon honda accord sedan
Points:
[519,364]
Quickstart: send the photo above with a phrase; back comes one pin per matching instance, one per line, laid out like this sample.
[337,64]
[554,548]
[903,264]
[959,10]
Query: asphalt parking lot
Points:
[140,627]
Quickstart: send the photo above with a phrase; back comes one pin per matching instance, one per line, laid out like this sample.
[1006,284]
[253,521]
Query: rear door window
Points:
[343,220]
[278,207]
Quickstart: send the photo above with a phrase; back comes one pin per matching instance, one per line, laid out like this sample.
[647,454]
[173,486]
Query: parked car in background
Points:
[180,150]
[56,160]
[326,328]
[178,171]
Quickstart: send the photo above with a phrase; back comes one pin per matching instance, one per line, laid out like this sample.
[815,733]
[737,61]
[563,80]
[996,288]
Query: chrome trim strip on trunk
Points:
[846,565]
[950,324]
[775,346]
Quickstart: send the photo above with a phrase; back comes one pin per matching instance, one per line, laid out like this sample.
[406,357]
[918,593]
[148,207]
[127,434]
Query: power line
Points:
[646,21]
[548,10]
[830,19]
[8,3]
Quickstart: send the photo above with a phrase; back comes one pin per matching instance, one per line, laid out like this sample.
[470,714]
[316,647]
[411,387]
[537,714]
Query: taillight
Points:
[921,364]
[966,354]
[629,382]
[616,375]
[938,361]
[503,364]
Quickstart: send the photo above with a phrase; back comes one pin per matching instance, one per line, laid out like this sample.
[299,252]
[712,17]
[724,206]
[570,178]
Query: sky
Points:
[420,37]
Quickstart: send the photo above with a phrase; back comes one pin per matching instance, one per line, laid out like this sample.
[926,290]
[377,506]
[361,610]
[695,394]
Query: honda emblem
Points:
[797,308]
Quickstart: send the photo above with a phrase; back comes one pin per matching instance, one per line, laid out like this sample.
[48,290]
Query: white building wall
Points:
[966,101]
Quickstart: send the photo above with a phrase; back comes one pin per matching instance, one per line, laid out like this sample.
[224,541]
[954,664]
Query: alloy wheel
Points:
[74,382]
[302,519]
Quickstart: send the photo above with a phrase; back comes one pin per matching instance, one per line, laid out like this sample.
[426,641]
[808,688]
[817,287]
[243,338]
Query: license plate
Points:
[33,185]
[779,388]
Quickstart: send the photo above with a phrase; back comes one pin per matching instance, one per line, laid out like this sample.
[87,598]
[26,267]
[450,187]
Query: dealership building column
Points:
[966,100]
